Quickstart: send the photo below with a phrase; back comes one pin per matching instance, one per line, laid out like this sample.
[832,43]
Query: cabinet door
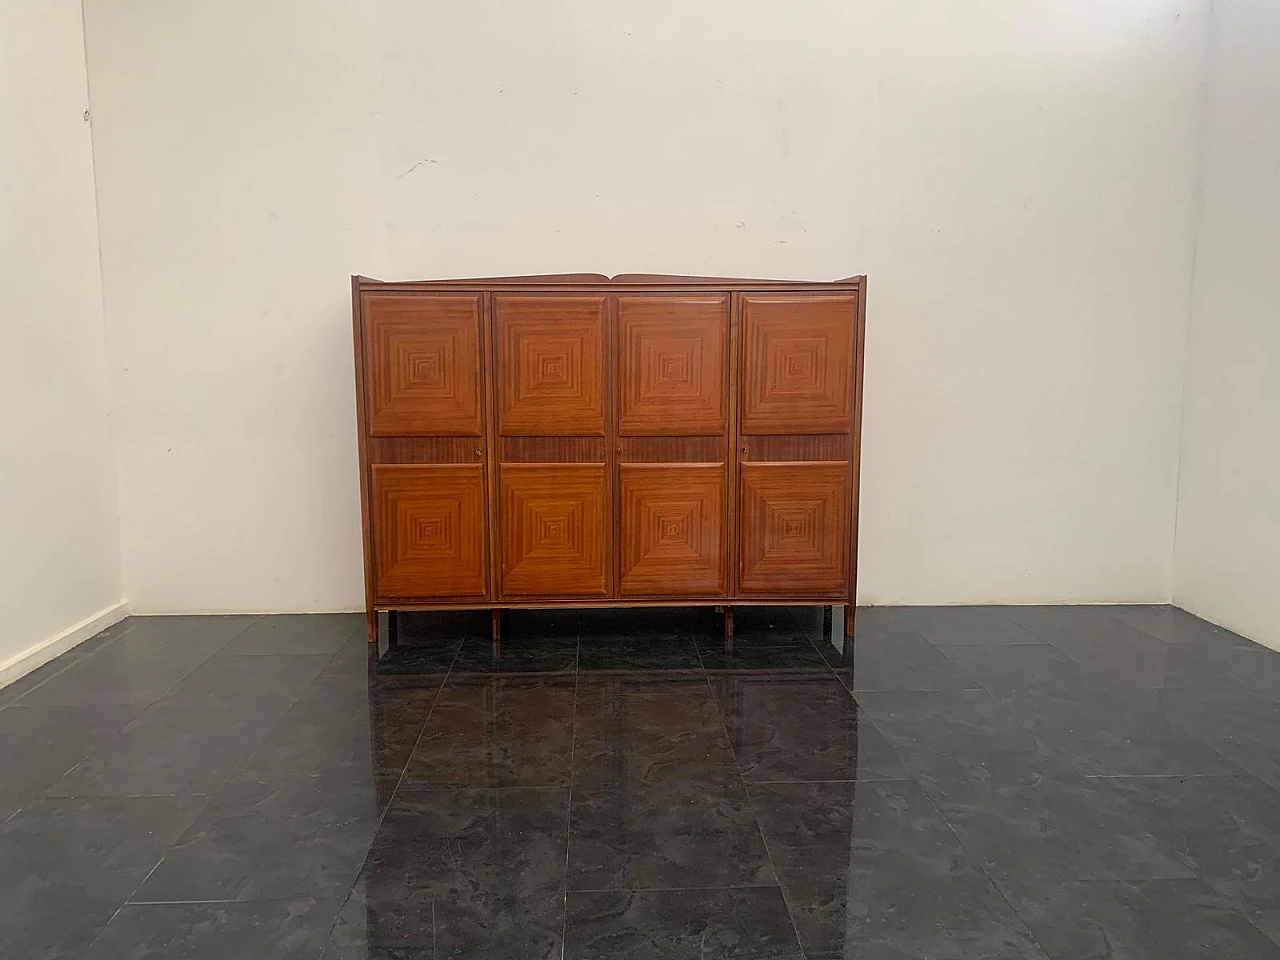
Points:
[797,359]
[422,364]
[553,530]
[672,529]
[550,365]
[672,365]
[794,538]
[429,530]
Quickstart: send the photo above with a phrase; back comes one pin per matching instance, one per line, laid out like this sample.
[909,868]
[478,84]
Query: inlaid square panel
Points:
[429,530]
[797,363]
[794,537]
[422,364]
[553,530]
[672,529]
[550,365]
[672,365]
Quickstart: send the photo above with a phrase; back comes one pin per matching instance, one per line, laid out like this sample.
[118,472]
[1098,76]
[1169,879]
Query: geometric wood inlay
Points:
[553,530]
[672,518]
[672,365]
[422,354]
[797,357]
[550,365]
[795,532]
[429,530]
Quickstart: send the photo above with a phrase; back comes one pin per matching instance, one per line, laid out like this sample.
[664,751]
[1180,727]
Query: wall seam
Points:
[1197,217]
[112,444]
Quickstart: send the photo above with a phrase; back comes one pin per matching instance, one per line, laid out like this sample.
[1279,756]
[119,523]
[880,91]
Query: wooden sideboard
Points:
[576,440]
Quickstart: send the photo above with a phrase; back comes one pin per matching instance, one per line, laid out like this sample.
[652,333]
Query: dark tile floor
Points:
[1024,782]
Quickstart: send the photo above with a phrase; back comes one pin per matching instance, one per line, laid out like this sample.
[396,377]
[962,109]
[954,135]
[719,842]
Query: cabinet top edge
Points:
[599,280]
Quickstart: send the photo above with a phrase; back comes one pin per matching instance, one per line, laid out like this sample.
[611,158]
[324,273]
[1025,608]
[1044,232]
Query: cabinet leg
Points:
[371,616]
[495,621]
[728,623]
[848,620]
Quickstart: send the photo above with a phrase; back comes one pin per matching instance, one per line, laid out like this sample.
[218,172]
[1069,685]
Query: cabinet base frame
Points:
[828,605]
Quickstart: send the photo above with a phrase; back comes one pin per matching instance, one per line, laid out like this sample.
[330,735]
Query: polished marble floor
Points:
[998,782]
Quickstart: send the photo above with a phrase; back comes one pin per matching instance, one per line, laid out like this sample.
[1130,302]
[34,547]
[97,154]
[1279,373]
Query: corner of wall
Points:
[105,353]
[1197,217]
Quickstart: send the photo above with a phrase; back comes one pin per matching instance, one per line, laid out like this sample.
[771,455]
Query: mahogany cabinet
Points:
[585,441]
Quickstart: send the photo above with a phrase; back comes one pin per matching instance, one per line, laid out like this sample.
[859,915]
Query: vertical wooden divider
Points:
[612,374]
[732,444]
[489,402]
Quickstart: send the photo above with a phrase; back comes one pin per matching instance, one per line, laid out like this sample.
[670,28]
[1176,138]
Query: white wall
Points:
[1228,544]
[59,551]
[231,172]
[1016,179]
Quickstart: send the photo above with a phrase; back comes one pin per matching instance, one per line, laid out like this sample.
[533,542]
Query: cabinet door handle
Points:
[479,451]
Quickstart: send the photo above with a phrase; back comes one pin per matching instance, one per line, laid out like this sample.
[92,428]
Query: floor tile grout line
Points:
[195,794]
[252,622]
[568,819]
[146,705]
[856,690]
[159,860]
[168,903]
[294,700]
[146,709]
[746,792]
[1001,894]
[982,868]
[1228,903]
[394,790]
[1164,776]
[218,652]
[1231,905]
[85,658]
[829,641]
[75,660]
[942,646]
[775,783]
[155,866]
[103,929]
[722,886]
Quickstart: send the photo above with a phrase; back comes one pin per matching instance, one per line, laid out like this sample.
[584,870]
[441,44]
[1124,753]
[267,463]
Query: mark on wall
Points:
[419,163]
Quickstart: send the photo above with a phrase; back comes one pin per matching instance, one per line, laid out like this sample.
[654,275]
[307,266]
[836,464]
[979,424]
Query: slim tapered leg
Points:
[848,620]
[495,626]
[372,618]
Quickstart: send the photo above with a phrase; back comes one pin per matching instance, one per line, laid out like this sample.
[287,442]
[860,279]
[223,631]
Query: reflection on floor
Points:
[1061,782]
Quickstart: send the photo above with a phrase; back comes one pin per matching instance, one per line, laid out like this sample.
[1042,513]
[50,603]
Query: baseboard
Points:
[37,656]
